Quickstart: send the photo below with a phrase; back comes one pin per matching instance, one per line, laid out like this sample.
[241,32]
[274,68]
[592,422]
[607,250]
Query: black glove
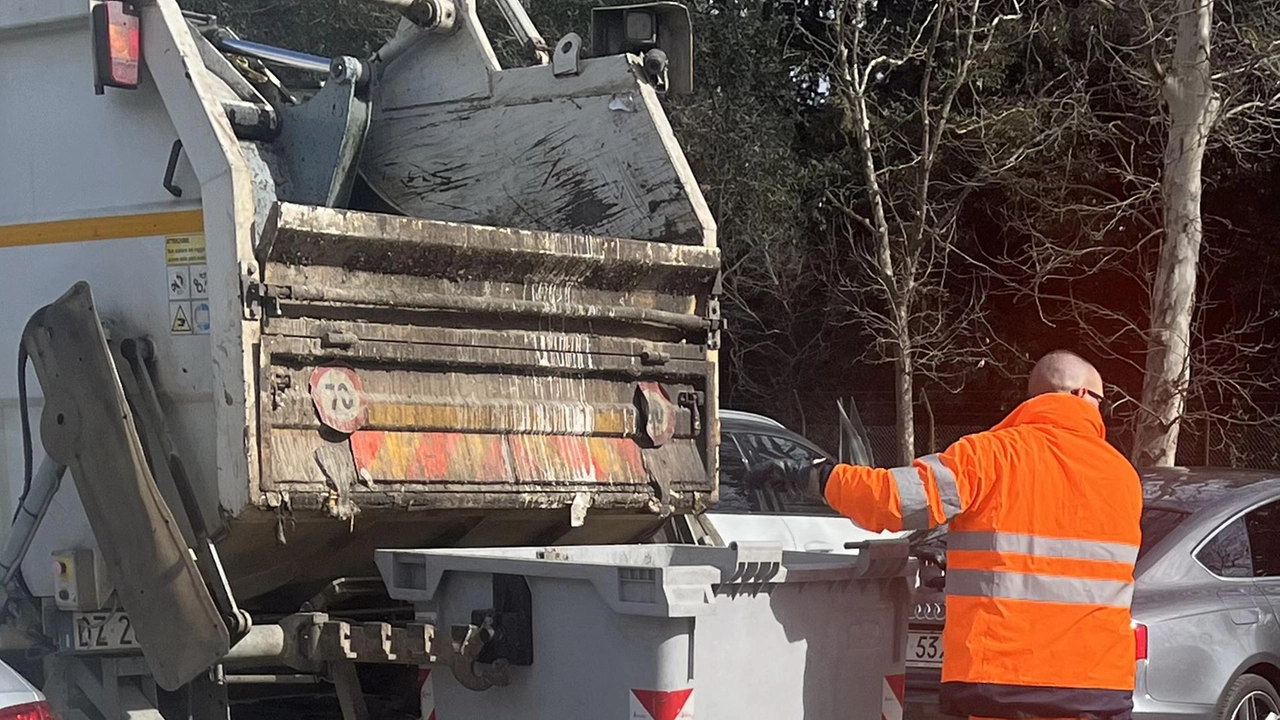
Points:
[932,555]
[791,475]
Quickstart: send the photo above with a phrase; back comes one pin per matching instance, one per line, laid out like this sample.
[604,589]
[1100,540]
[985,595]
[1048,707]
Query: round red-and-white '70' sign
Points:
[338,397]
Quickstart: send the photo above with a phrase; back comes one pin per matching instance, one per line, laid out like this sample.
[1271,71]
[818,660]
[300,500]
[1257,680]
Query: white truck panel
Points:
[28,15]
[131,279]
[109,159]
[111,150]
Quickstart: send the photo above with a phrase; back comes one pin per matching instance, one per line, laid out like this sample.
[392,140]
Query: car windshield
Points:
[1157,523]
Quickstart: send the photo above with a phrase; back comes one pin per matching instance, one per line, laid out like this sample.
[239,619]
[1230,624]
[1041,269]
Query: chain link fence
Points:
[1211,445]
[1202,442]
[1219,445]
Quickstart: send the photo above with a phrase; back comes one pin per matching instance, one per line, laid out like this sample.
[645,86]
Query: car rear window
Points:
[1157,523]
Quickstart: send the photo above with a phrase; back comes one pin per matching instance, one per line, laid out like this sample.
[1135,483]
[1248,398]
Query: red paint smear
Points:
[365,445]
[577,457]
[630,456]
[432,453]
[493,466]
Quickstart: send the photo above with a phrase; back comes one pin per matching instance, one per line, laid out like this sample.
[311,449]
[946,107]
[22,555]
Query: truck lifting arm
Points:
[88,426]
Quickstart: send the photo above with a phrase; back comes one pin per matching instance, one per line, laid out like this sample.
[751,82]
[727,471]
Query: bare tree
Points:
[1193,106]
[923,136]
[1117,206]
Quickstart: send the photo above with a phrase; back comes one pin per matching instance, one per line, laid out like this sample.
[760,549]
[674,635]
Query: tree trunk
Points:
[904,383]
[1193,108]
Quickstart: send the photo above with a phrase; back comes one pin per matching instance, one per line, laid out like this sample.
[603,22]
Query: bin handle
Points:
[881,558]
[755,561]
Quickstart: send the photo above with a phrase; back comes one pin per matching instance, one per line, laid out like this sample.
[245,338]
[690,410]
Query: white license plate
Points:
[104,631]
[924,649]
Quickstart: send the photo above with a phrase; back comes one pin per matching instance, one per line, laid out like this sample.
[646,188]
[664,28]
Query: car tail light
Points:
[29,711]
[1140,641]
[117,45]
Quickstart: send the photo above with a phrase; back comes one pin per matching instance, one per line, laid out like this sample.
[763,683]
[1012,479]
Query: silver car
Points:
[1206,605]
[19,699]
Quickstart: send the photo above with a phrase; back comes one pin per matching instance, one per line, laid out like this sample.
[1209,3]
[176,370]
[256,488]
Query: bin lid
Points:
[665,580]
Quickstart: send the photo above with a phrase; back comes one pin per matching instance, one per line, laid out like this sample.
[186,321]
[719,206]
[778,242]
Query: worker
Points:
[1044,533]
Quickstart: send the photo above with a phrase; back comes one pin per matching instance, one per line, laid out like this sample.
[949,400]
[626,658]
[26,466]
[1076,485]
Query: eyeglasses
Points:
[1104,406]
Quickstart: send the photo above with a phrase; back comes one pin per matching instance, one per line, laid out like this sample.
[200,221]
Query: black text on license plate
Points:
[924,649]
[104,631]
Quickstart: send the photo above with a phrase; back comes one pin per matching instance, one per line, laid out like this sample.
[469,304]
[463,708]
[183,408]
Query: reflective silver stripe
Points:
[915,505]
[1044,546]
[1038,588]
[946,482]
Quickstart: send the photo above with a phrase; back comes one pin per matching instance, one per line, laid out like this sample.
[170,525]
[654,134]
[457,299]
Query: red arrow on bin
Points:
[663,704]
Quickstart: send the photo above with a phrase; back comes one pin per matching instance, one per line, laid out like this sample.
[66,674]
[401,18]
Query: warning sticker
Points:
[200,317]
[187,283]
[184,250]
[180,318]
[662,704]
[199,281]
[179,283]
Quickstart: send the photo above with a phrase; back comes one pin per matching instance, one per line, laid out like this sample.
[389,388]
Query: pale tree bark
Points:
[1193,108]
[904,391]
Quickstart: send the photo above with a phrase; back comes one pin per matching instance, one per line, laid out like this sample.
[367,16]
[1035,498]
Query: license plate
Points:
[924,649]
[104,631]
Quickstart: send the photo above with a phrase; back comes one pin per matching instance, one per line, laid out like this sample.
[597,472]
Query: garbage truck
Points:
[382,381]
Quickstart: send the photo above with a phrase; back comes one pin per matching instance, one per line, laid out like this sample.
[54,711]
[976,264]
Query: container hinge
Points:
[261,299]
[339,339]
[280,384]
[693,400]
[715,324]
[250,294]
[654,357]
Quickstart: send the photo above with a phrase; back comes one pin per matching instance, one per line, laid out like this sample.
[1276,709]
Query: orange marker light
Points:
[117,45]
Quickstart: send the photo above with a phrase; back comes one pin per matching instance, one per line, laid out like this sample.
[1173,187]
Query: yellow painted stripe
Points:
[102,228]
[507,417]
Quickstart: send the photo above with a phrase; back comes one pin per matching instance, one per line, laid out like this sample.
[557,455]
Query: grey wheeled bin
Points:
[660,632]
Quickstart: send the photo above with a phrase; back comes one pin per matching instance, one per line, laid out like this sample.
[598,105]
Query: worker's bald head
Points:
[1062,371]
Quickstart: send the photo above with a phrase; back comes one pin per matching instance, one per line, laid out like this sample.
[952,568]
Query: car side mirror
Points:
[660,32]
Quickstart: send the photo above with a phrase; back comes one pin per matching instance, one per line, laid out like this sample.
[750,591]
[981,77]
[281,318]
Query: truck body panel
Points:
[516,385]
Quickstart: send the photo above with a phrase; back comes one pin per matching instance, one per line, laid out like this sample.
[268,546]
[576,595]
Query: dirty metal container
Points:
[651,632]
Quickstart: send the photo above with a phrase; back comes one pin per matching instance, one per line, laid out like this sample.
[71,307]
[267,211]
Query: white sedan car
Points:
[19,699]
[793,520]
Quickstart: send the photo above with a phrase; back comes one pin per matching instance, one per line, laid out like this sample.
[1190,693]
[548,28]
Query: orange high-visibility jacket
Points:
[1043,538]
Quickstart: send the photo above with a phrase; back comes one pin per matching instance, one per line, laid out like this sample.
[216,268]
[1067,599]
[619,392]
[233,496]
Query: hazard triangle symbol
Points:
[666,705]
[181,324]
